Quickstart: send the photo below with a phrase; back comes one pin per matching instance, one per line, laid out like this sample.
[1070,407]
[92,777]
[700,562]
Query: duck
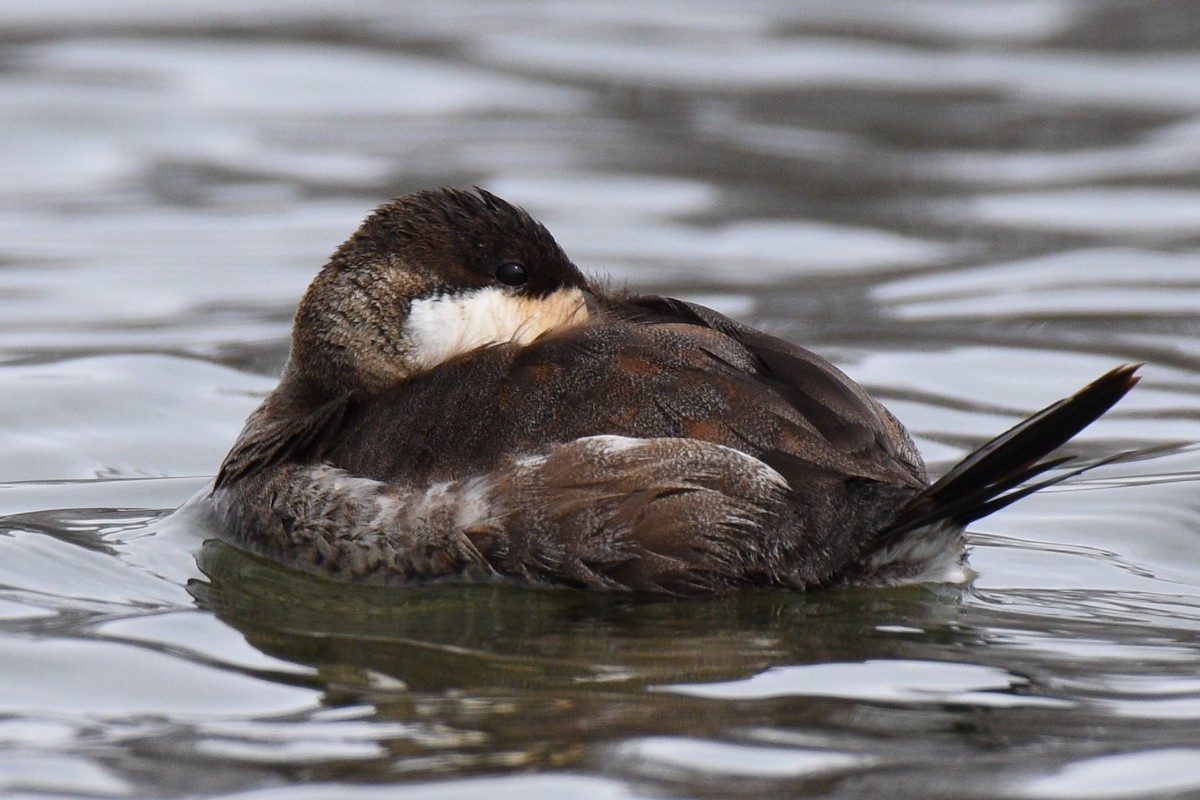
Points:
[460,402]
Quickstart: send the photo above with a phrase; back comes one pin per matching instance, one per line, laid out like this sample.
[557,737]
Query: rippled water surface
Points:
[973,207]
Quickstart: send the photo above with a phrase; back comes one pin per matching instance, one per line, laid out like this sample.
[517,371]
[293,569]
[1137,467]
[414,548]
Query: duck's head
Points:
[426,278]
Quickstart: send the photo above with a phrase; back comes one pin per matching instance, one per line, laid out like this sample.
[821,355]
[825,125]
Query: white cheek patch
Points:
[439,328]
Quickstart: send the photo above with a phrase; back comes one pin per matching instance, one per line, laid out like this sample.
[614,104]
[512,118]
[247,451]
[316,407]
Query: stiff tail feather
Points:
[999,472]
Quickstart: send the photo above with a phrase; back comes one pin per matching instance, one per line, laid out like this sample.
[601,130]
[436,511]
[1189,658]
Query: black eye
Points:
[511,274]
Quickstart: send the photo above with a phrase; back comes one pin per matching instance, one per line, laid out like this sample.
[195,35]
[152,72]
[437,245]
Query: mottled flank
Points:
[674,515]
[601,511]
[325,520]
[461,402]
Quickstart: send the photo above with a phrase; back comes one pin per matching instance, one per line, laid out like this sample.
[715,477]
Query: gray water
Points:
[973,207]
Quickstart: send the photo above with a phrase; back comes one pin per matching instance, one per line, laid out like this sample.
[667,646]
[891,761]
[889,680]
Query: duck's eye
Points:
[511,274]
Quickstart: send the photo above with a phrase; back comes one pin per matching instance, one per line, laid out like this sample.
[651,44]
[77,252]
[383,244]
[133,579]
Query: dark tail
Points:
[997,473]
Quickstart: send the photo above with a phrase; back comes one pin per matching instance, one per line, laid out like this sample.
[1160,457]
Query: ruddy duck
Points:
[460,400]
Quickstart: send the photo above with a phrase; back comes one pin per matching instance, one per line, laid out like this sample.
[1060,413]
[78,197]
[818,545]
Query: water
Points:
[974,207]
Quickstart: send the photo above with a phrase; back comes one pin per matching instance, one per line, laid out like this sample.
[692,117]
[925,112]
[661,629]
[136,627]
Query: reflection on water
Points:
[439,637]
[973,207]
